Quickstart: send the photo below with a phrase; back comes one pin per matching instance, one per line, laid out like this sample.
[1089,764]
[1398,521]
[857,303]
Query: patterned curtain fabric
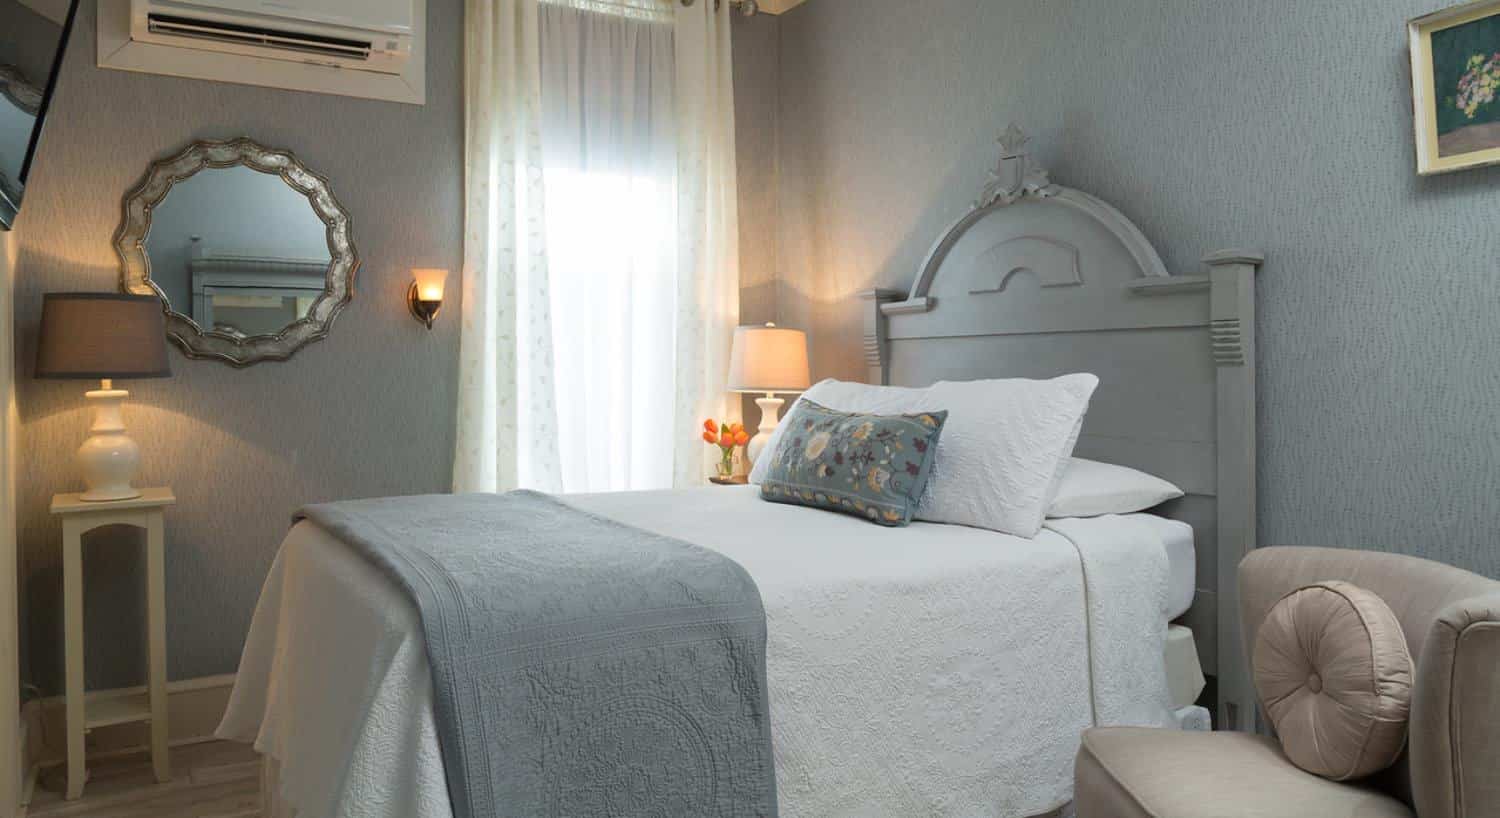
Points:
[505,253]
[708,252]
[600,278]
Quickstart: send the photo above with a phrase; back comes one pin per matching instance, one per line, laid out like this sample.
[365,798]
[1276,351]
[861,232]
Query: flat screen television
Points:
[33,35]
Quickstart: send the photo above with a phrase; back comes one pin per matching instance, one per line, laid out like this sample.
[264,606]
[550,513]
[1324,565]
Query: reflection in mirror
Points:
[238,251]
[19,101]
[248,249]
[31,40]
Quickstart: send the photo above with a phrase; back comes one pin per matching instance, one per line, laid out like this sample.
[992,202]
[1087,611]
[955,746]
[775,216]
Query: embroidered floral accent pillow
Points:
[871,466]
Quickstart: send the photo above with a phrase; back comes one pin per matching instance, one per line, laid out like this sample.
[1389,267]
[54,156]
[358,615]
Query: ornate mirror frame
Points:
[233,348]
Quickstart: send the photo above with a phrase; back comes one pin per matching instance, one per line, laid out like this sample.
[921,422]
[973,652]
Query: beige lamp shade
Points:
[768,359]
[102,335]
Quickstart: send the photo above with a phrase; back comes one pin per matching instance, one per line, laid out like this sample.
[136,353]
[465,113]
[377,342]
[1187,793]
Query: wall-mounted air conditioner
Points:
[356,34]
[367,48]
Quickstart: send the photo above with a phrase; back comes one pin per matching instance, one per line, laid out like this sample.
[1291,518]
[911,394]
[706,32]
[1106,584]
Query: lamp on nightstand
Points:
[104,336]
[768,360]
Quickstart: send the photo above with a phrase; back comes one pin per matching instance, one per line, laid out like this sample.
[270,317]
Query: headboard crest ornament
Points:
[1016,175]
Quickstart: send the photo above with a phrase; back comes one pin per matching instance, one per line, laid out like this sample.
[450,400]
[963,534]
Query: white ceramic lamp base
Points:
[770,417]
[108,458]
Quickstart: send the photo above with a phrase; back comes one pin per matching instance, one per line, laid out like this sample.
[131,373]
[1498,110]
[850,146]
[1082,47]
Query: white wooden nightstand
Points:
[78,518]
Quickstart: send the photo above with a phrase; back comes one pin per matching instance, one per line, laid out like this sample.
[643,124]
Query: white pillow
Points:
[1001,456]
[1090,488]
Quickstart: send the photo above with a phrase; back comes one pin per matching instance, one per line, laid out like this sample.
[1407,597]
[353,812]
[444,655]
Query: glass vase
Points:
[724,469]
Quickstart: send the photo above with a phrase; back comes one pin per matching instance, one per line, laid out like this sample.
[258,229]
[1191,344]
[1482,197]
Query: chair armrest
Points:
[1455,715]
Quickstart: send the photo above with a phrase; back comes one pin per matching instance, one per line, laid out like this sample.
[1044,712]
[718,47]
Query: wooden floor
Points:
[213,780]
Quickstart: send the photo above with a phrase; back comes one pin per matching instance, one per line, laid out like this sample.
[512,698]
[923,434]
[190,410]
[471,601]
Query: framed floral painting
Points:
[1455,68]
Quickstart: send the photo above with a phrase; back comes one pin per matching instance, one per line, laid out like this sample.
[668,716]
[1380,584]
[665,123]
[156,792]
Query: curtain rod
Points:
[748,8]
[644,10]
[745,7]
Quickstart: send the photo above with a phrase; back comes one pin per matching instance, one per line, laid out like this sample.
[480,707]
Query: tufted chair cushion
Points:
[1335,679]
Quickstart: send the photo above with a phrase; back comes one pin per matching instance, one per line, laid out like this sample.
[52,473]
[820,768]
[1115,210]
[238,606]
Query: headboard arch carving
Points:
[1018,180]
[1053,263]
[1038,280]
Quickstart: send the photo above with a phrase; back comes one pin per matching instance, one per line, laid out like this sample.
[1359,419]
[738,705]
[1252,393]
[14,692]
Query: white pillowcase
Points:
[1001,456]
[1090,489]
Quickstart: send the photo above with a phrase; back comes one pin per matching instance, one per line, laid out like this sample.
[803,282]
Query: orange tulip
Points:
[742,438]
[710,426]
[736,428]
[726,440]
[708,437]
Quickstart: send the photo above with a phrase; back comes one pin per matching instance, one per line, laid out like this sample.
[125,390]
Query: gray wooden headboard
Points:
[1038,280]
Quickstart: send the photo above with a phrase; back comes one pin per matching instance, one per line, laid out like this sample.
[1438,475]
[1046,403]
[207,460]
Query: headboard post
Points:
[1232,331]
[876,338]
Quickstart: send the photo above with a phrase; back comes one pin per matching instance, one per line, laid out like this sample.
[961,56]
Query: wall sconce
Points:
[425,296]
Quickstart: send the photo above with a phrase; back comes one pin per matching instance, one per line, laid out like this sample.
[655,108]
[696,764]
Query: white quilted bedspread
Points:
[933,670]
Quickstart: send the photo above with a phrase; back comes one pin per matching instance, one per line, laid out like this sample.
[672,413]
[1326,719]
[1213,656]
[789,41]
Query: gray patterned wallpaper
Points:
[756,106]
[1280,125]
[367,412]
[757,102]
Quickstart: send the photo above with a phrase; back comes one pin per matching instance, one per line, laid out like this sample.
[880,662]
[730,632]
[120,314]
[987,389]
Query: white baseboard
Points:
[194,709]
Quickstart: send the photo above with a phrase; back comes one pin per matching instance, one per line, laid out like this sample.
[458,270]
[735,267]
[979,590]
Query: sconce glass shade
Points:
[768,359]
[430,283]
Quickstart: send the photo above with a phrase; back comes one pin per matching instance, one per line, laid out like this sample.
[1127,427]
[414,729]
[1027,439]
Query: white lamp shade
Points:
[768,359]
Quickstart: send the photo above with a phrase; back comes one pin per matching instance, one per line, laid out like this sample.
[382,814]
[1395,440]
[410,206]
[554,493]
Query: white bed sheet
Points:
[1182,561]
[932,670]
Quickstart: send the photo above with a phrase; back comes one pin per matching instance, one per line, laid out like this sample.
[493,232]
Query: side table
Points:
[78,518]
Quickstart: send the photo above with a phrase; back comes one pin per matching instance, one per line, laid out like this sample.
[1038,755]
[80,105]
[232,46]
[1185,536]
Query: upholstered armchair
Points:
[1451,766]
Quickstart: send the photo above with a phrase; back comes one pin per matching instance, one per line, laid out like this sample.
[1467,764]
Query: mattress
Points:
[930,670]
[1184,672]
[1182,561]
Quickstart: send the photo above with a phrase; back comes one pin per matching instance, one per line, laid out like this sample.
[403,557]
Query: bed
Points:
[927,670]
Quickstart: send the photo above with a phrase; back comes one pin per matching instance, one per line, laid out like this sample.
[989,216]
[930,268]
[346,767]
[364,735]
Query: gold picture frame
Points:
[1455,71]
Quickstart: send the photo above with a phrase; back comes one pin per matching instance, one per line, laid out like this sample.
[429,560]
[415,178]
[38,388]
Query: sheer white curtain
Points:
[600,280]
[503,406]
[708,249]
[609,137]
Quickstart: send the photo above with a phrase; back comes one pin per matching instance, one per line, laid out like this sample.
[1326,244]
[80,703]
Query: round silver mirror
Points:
[247,249]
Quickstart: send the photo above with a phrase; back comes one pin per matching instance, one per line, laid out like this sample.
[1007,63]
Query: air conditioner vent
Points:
[226,32]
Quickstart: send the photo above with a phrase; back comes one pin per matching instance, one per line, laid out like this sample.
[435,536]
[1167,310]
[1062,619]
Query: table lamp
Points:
[767,359]
[104,336]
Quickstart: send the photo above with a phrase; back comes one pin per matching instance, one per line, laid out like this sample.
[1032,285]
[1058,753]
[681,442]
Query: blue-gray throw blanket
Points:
[580,667]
